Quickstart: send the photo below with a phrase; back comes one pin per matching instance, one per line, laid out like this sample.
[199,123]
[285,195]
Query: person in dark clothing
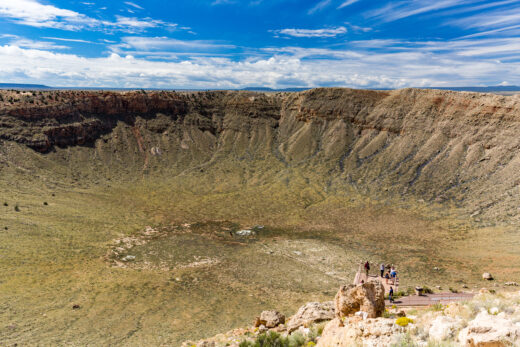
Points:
[367,268]
[391,295]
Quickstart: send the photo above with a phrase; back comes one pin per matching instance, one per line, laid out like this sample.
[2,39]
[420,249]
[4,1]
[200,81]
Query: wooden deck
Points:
[412,300]
[430,299]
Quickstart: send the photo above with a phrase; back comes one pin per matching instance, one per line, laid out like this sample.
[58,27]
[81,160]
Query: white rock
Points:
[129,258]
[245,232]
[487,276]
[489,330]
[444,327]
[494,311]
[312,312]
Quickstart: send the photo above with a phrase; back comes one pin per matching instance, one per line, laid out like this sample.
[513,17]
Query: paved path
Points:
[430,299]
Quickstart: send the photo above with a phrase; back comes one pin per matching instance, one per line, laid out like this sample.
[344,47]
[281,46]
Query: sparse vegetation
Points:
[272,339]
[403,321]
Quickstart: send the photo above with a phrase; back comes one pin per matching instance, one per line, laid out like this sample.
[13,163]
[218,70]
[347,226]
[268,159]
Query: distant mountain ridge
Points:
[23,86]
[488,89]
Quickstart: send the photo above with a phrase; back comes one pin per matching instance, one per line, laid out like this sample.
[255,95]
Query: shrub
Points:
[296,340]
[272,339]
[45,203]
[437,307]
[405,340]
[6,204]
[403,321]
[16,208]
[427,290]
[453,290]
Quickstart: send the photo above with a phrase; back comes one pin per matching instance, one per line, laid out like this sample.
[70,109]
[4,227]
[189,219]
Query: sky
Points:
[232,44]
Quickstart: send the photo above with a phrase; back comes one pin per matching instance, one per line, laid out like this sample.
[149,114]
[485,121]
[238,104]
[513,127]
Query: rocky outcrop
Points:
[367,297]
[310,313]
[356,332]
[490,331]
[270,319]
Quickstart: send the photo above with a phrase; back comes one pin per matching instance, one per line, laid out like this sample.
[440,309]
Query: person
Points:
[367,268]
[391,295]
[393,274]
[387,277]
[382,270]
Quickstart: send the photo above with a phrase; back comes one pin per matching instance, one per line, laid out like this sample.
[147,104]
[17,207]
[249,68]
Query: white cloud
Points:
[149,44]
[319,6]
[69,40]
[33,13]
[347,3]
[134,5]
[23,42]
[372,63]
[326,32]
[396,10]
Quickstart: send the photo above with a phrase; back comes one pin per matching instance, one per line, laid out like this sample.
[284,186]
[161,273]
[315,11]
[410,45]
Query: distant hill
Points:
[265,89]
[489,89]
[23,86]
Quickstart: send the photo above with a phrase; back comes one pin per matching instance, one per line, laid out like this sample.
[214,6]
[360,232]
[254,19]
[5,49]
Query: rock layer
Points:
[436,146]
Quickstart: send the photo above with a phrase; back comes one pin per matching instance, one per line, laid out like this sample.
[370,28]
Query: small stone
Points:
[464,286]
[511,284]
[487,276]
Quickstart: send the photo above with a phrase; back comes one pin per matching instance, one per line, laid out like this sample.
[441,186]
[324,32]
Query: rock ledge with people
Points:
[360,316]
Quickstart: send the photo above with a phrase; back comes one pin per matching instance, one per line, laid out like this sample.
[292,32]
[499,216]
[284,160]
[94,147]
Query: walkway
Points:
[430,299]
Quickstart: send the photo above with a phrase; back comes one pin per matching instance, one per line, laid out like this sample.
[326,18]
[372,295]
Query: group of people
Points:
[387,272]
[391,273]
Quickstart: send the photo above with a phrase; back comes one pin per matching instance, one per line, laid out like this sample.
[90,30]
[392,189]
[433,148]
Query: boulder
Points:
[490,331]
[487,276]
[367,297]
[270,319]
[444,327]
[312,312]
[379,332]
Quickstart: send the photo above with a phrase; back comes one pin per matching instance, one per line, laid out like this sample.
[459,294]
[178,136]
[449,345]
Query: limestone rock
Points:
[444,327]
[380,332]
[490,331]
[312,312]
[271,319]
[367,297]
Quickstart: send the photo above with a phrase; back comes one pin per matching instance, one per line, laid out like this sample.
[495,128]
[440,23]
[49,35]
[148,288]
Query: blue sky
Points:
[214,44]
